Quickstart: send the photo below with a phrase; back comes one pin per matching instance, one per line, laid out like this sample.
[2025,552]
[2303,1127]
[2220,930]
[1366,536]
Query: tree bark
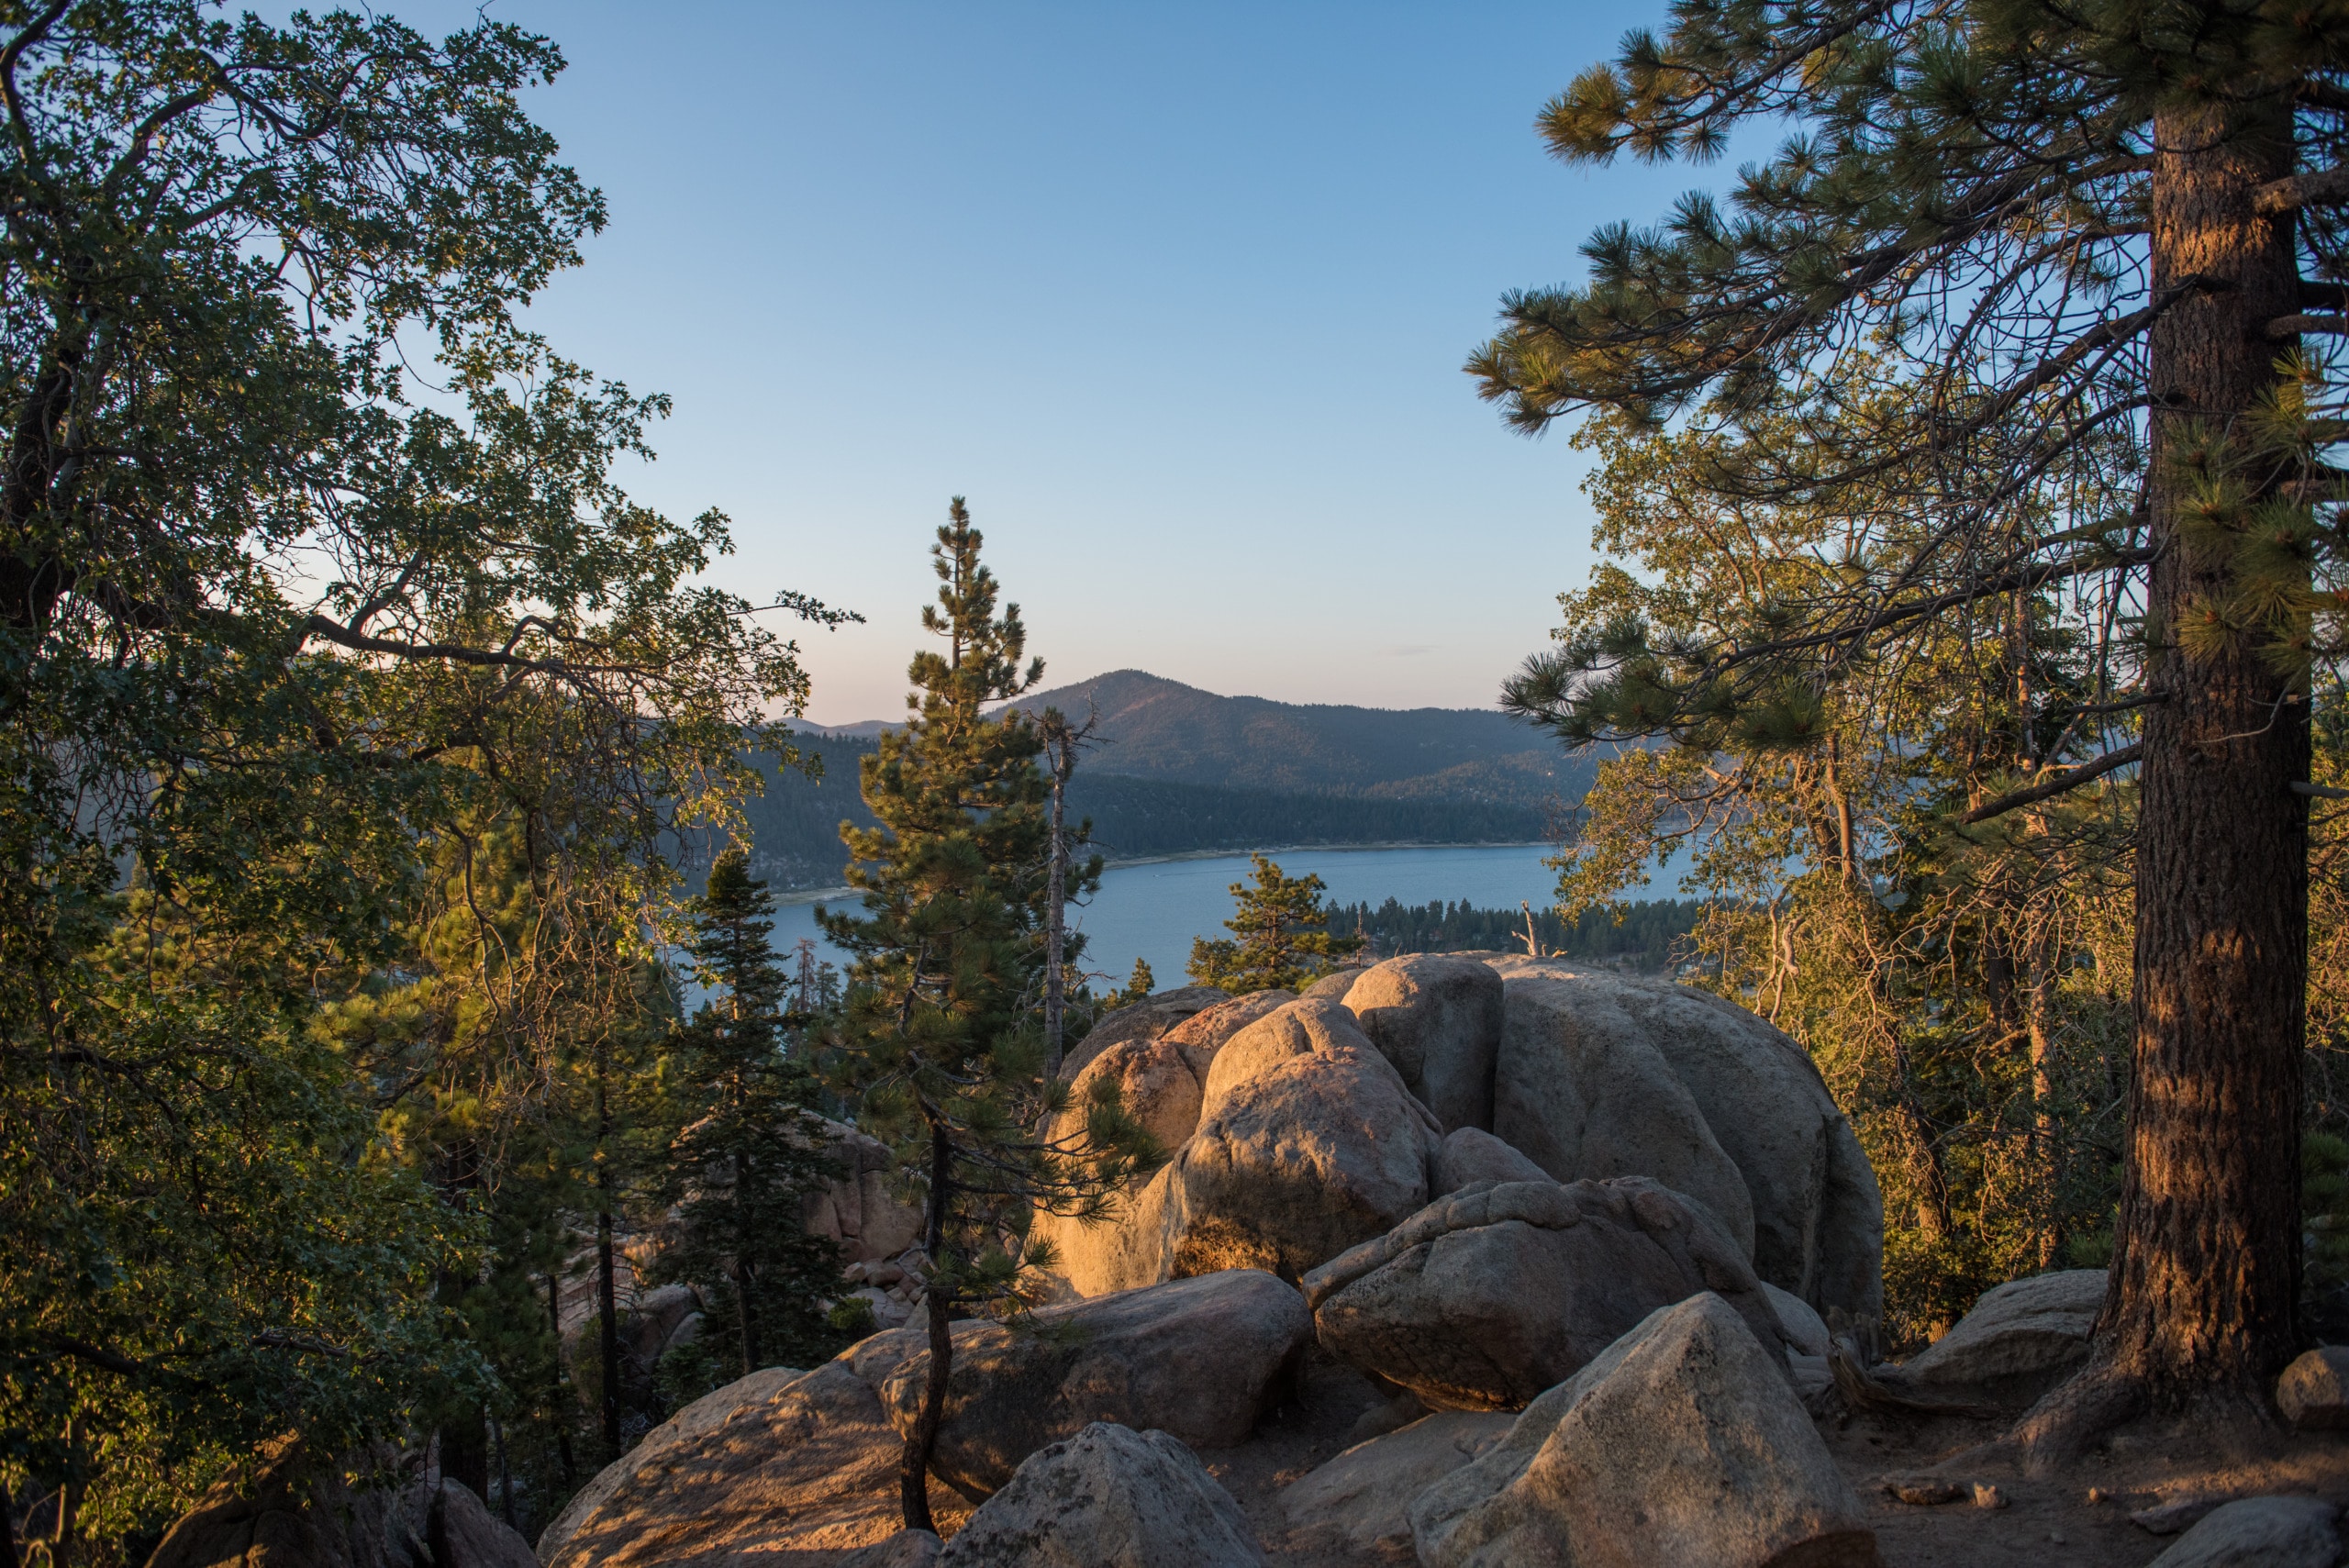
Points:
[1055,899]
[913,1464]
[606,1291]
[2206,1269]
[561,1407]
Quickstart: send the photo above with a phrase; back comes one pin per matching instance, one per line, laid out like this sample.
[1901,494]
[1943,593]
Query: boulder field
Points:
[1476,1263]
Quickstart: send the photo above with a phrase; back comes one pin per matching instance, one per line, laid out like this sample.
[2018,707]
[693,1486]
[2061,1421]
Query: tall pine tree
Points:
[739,1171]
[2069,227]
[941,1039]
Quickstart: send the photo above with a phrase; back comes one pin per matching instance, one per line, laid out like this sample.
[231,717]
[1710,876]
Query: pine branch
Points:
[2069,779]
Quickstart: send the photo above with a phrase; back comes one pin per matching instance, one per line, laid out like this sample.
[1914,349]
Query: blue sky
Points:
[1176,296]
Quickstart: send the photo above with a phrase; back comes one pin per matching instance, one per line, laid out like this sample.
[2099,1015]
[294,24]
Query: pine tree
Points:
[941,1041]
[1138,985]
[2087,242]
[1283,934]
[739,1172]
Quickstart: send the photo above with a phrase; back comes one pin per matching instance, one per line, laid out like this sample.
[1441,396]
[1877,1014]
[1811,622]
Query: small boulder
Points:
[1146,1019]
[2027,1328]
[2313,1393]
[1335,985]
[1438,1019]
[906,1548]
[462,1533]
[1155,1083]
[1689,1395]
[1359,1496]
[1805,1331]
[1471,1154]
[2260,1532]
[1201,1358]
[1483,1299]
[1108,1498]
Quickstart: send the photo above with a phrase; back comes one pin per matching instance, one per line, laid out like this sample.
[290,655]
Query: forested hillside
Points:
[796,825]
[1152,727]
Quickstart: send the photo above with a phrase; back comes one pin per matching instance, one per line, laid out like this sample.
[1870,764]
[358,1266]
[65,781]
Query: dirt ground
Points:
[2047,1523]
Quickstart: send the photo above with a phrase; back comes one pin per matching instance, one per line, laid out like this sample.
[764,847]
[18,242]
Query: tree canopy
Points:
[2035,303]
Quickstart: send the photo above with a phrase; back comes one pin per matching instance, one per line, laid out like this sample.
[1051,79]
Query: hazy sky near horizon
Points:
[1176,296]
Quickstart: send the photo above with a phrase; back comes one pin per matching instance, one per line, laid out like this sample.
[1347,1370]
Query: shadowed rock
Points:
[1484,1298]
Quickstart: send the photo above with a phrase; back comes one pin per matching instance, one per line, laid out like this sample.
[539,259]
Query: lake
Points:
[1152,910]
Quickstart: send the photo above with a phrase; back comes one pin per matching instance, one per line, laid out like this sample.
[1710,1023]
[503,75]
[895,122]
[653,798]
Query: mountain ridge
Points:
[1179,770]
[1151,727]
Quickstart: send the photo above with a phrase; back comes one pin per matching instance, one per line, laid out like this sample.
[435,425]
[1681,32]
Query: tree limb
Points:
[2320,186]
[2069,779]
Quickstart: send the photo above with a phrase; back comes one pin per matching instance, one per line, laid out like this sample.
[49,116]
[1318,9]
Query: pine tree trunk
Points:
[1055,899]
[559,1405]
[750,1359]
[2206,1266]
[913,1464]
[607,1290]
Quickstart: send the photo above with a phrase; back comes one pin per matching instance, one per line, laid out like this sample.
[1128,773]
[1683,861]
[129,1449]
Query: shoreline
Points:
[829,895]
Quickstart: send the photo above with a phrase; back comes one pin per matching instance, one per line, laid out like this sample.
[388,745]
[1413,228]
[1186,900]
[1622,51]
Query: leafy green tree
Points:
[2101,239]
[941,1039]
[1283,935]
[278,625]
[739,1171]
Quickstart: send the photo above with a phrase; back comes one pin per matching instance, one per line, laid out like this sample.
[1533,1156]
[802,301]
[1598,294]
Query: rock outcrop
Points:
[1438,1019]
[1486,1299]
[1202,1359]
[1108,1498]
[1689,1395]
[2026,1329]
[857,1209]
[1359,1498]
[2313,1393]
[1580,1054]
[2260,1532]
[810,1469]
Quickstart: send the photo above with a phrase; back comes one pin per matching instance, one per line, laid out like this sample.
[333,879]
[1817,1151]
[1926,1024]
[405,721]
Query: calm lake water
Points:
[1153,911]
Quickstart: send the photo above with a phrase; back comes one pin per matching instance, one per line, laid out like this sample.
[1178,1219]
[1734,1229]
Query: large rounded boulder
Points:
[1585,1084]
[1486,1299]
[1438,1019]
